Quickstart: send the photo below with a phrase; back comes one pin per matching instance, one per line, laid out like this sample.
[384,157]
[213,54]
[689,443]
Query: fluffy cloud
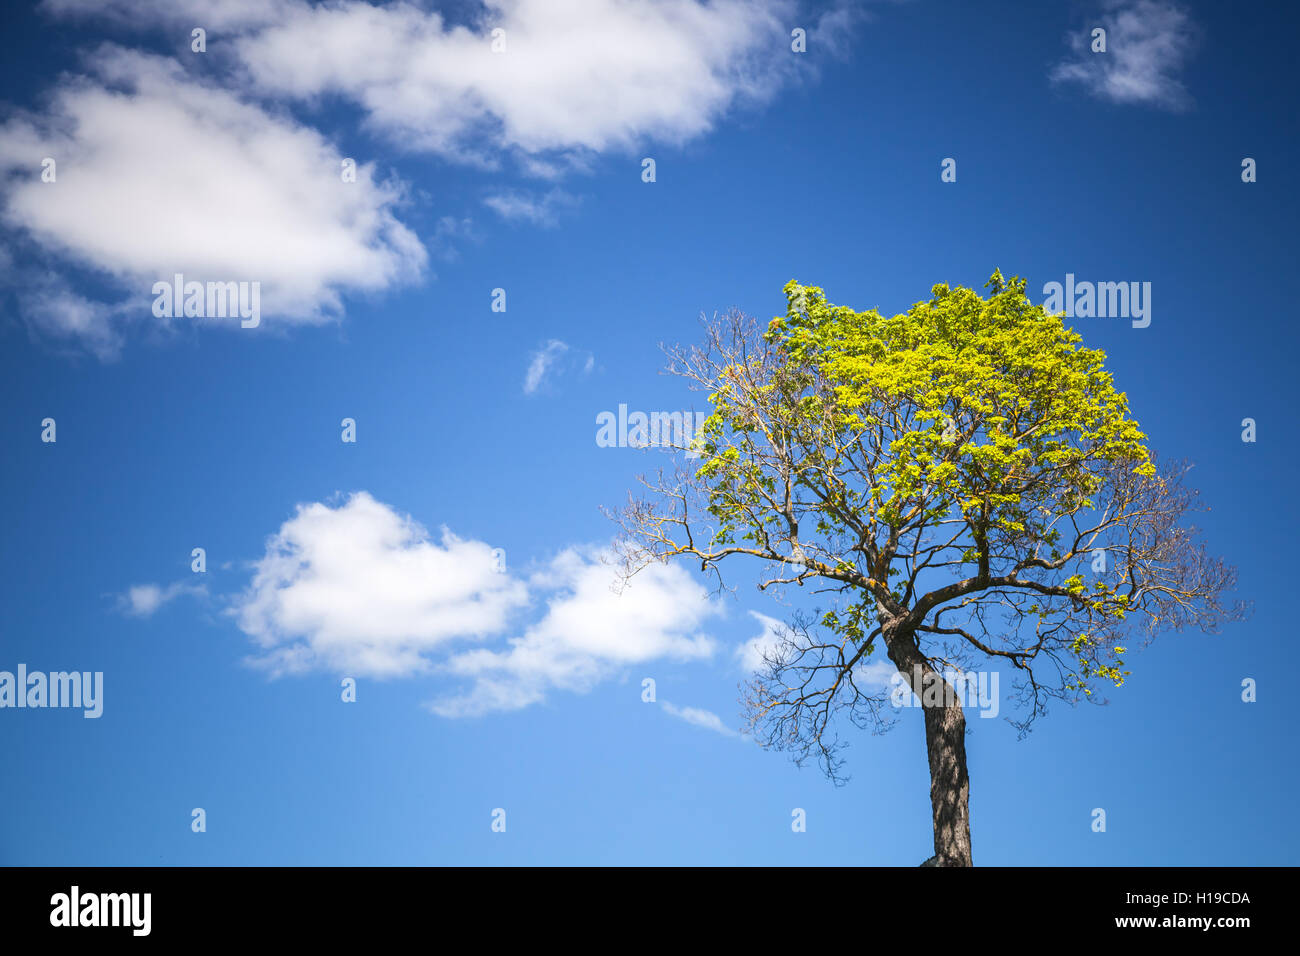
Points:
[590,631]
[574,74]
[1147,44]
[159,174]
[363,590]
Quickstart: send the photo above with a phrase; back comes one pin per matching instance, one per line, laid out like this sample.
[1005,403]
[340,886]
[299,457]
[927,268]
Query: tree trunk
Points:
[945,744]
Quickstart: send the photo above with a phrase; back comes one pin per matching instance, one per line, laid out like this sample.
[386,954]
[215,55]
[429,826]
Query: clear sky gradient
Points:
[770,165]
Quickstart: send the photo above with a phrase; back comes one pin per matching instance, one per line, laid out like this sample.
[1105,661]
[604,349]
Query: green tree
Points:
[962,480]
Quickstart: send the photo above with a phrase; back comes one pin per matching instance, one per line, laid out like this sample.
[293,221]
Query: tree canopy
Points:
[963,478]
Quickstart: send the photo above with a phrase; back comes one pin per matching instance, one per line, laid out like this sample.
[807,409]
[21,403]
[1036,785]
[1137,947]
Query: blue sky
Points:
[481,689]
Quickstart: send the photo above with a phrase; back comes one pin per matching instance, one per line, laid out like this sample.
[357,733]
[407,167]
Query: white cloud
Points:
[363,590]
[874,675]
[751,653]
[870,675]
[555,167]
[219,183]
[1147,44]
[449,234]
[575,74]
[834,28]
[158,173]
[541,362]
[540,209]
[60,314]
[144,599]
[700,718]
[589,632]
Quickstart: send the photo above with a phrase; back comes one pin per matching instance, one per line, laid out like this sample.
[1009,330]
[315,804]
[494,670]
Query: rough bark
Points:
[945,744]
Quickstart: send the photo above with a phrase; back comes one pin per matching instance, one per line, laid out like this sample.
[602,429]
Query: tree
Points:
[965,483]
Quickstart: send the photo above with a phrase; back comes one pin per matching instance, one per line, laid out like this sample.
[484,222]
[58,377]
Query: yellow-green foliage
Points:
[983,407]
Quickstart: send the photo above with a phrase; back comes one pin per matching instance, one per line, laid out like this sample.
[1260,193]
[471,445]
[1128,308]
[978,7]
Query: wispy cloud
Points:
[59,315]
[753,653]
[541,363]
[552,359]
[1148,42]
[450,234]
[542,209]
[700,718]
[143,600]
